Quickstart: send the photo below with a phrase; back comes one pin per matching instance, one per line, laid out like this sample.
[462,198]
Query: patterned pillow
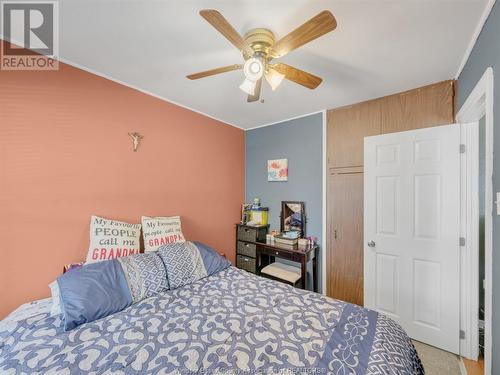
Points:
[145,274]
[183,263]
[159,231]
[110,239]
[188,262]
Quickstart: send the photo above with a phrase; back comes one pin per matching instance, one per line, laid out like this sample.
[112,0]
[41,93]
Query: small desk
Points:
[301,255]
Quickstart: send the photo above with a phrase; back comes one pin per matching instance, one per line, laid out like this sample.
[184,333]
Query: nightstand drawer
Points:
[247,249]
[247,234]
[245,263]
[252,234]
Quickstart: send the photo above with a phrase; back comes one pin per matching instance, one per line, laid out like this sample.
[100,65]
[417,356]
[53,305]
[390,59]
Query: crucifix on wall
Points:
[136,138]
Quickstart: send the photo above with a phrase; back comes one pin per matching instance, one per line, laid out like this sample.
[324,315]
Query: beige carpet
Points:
[437,361]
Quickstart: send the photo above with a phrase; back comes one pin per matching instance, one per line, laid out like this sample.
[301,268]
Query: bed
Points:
[230,322]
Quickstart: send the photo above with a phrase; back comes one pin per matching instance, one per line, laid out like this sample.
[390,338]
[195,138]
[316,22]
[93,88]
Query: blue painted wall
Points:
[300,141]
[486,53]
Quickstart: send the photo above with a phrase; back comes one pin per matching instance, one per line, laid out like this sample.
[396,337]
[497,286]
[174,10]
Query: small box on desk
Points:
[259,216]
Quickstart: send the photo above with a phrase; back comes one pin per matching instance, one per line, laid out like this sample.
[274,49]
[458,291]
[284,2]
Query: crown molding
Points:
[475,36]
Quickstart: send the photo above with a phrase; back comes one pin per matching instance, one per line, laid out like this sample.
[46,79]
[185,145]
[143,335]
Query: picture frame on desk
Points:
[245,212]
[293,217]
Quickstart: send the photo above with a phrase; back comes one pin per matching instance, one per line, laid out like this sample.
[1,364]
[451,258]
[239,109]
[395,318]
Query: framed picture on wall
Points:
[277,170]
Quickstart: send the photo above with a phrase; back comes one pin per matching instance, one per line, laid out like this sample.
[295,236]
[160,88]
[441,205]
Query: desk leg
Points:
[303,269]
[315,274]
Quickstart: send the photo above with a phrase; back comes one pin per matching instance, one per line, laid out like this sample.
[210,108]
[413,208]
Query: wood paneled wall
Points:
[426,106]
[346,130]
[420,108]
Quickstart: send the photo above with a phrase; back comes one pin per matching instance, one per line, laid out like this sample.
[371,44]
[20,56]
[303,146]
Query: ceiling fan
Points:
[259,48]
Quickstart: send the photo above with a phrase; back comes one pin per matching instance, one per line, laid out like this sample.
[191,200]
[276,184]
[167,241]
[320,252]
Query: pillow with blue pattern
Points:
[145,274]
[187,262]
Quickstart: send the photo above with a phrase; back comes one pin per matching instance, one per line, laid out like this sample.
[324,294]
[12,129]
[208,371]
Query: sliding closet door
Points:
[345,245]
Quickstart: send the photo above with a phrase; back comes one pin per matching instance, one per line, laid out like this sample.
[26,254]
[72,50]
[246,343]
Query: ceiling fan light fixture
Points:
[259,48]
[274,78]
[253,69]
[248,86]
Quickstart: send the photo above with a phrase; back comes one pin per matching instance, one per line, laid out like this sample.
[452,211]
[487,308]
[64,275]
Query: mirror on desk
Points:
[293,217]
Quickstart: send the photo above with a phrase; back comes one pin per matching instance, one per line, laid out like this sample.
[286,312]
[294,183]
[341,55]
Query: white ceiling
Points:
[379,48]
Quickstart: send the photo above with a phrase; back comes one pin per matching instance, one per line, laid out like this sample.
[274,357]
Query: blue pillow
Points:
[213,261]
[92,292]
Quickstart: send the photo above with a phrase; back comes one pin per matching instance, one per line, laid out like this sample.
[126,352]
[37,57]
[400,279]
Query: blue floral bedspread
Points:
[231,322]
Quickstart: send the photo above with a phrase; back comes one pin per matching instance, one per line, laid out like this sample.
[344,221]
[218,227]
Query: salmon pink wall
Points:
[65,155]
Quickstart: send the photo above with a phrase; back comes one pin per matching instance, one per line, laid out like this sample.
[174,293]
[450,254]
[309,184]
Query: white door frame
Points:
[469,257]
[324,207]
[478,104]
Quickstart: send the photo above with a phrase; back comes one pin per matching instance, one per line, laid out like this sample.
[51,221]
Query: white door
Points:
[412,229]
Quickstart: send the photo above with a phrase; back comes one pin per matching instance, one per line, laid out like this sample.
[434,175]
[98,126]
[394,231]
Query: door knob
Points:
[371,244]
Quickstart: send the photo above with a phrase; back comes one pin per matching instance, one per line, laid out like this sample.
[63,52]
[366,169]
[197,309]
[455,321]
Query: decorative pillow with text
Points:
[159,231]
[110,239]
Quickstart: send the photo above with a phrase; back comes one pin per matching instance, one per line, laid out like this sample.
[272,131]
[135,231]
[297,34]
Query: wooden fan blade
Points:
[317,26]
[218,21]
[298,76]
[256,96]
[212,72]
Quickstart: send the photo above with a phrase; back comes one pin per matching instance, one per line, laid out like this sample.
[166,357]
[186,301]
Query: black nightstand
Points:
[246,250]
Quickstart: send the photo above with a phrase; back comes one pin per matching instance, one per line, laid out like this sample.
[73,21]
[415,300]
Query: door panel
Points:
[387,284]
[345,237]
[427,206]
[426,297]
[387,205]
[412,212]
